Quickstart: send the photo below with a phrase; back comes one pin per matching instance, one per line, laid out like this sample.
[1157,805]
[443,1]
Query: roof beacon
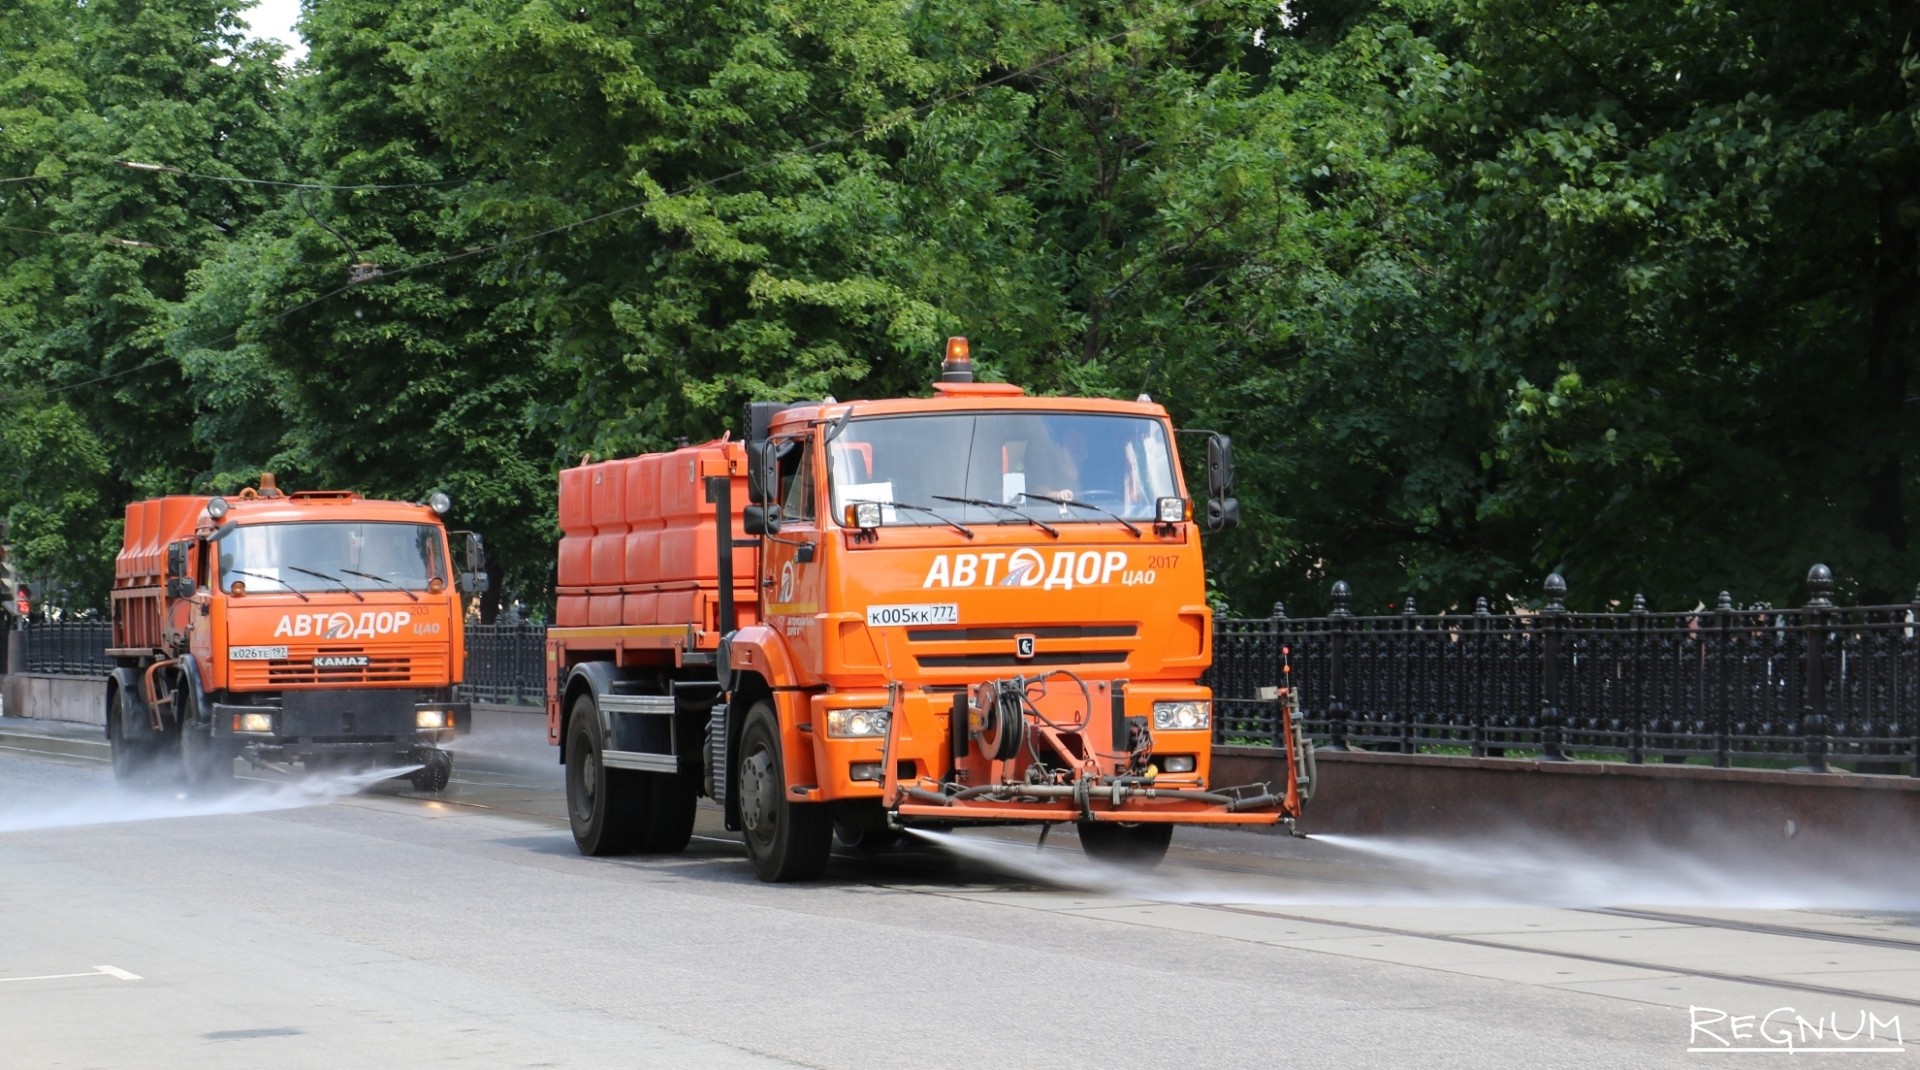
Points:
[958,367]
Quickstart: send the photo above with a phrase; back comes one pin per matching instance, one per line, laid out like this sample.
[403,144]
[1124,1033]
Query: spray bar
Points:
[1083,793]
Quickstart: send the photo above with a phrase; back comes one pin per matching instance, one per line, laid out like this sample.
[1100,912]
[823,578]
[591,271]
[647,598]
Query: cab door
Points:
[793,586]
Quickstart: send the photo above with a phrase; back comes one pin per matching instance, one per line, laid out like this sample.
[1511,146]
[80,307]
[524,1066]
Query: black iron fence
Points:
[1799,687]
[68,647]
[506,663]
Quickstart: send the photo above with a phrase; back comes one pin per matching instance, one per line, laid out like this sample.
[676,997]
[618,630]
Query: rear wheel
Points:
[785,841]
[606,807]
[671,801]
[1133,846]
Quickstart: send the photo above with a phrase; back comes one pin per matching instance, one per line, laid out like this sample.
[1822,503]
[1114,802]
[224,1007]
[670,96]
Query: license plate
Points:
[256,653]
[896,616]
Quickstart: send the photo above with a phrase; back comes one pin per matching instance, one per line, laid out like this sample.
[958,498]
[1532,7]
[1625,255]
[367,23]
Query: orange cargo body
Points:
[638,544]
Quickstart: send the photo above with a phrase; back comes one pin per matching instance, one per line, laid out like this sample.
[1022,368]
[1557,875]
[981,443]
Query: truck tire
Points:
[432,777]
[1133,846]
[785,841]
[671,801]
[606,807]
[131,741]
[206,764]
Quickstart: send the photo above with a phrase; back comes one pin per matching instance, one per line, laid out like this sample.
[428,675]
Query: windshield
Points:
[1116,464]
[332,556]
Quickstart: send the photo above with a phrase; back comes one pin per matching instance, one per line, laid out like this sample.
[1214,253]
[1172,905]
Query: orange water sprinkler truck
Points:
[317,628]
[972,608]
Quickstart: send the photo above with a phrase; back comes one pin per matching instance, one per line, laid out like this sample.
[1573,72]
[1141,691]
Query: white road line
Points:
[97,971]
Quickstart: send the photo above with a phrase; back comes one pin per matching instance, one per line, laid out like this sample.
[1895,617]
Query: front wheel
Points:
[131,740]
[785,841]
[206,762]
[433,776]
[606,807]
[1134,846]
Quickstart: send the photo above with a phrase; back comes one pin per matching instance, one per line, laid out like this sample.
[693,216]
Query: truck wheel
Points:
[670,809]
[1134,846]
[863,832]
[206,764]
[131,742]
[785,841]
[432,777]
[606,807]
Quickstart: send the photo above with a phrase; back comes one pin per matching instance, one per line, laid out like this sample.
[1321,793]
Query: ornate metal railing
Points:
[1800,687]
[506,663]
[68,647]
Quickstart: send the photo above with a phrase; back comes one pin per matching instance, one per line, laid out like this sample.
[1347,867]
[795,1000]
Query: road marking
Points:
[97,971]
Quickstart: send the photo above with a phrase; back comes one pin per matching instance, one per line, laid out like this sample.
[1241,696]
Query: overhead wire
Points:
[894,118]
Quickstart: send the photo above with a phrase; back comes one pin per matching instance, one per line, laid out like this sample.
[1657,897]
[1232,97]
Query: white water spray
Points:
[113,805]
[1507,871]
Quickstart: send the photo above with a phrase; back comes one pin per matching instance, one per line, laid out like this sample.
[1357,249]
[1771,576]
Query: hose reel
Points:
[996,718]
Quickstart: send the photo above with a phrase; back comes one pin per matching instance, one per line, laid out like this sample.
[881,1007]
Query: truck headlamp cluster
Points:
[432,719]
[856,724]
[864,515]
[1170,510]
[1182,716]
[258,723]
[217,508]
[440,503]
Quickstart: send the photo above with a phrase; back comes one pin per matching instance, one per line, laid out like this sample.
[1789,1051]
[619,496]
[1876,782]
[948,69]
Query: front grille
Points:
[993,646]
[1011,661]
[387,665]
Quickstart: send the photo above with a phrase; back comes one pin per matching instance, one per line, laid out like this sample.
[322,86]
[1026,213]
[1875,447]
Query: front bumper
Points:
[363,726]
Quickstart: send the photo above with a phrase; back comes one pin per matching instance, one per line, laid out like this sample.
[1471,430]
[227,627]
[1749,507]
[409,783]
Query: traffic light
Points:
[9,580]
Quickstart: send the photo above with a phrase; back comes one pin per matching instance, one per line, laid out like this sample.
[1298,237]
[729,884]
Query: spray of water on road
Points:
[1503,871]
[108,804]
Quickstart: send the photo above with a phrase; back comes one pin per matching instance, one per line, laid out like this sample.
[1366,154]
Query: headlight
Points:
[856,724]
[1170,510]
[1175,763]
[217,508]
[1181,716]
[431,719]
[440,503]
[261,723]
[864,515]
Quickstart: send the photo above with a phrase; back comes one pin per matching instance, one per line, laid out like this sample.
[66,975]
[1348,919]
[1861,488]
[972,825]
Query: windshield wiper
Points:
[988,504]
[927,509]
[332,579]
[1084,505]
[381,579]
[276,579]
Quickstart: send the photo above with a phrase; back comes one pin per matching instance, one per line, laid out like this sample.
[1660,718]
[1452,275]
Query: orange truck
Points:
[317,628]
[972,608]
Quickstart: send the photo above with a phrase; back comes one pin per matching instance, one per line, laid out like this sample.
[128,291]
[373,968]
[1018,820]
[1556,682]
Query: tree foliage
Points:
[1481,288]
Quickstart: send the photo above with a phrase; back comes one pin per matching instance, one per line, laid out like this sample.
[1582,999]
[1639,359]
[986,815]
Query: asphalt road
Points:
[333,924]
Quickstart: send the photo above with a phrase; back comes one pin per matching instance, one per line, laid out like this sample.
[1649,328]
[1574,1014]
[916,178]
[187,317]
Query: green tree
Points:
[136,123]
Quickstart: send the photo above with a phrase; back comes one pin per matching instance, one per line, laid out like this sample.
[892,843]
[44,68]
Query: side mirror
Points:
[1219,466]
[180,587]
[1223,513]
[476,552]
[471,582]
[760,519]
[763,471]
